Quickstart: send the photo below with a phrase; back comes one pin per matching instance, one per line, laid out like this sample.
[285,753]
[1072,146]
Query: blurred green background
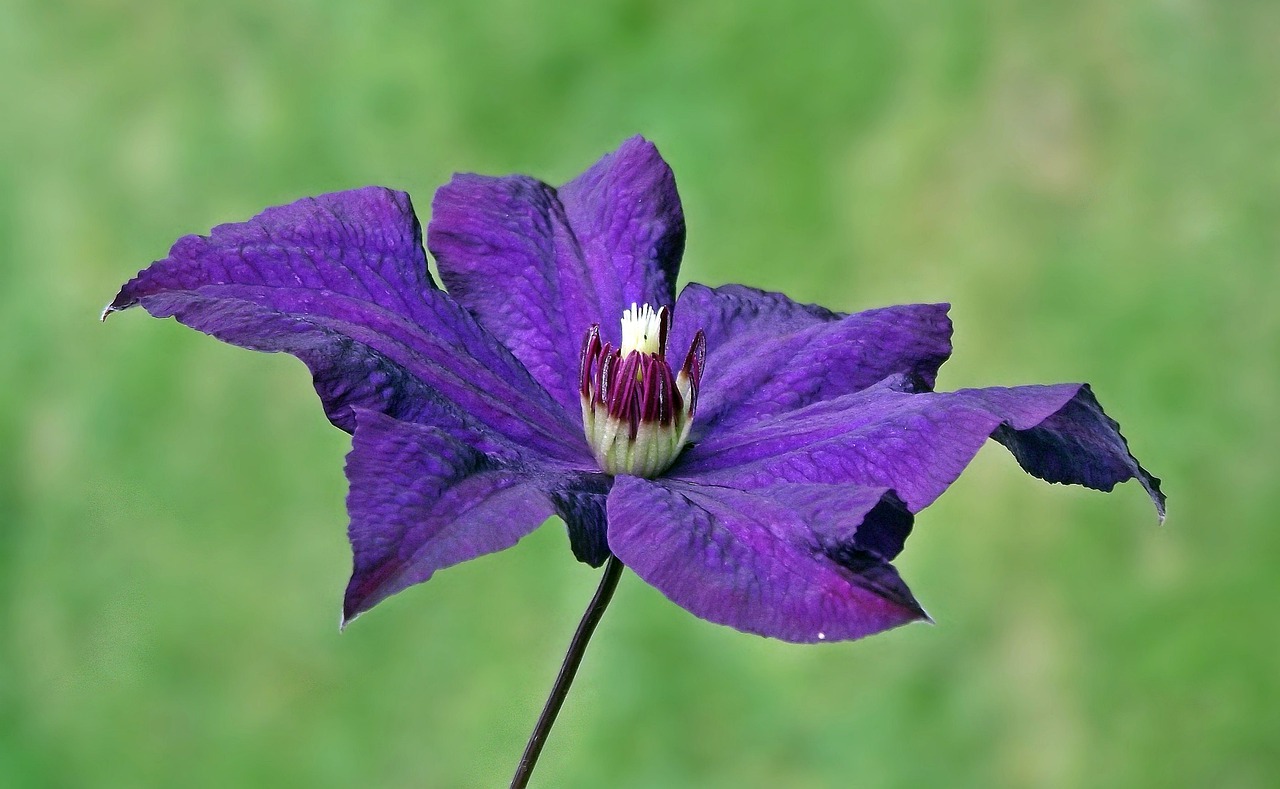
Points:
[1094,185]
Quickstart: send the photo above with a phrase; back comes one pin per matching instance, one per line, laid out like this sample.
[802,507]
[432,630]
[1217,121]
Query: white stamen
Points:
[640,330]
[822,636]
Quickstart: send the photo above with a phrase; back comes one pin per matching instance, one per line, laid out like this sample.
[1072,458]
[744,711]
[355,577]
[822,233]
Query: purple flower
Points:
[757,460]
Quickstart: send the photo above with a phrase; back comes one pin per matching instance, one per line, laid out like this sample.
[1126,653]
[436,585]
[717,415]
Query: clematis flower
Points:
[757,460]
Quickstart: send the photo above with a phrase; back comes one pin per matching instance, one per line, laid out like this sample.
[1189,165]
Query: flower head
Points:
[763,477]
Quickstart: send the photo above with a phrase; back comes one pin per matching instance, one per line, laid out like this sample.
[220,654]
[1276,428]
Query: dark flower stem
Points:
[577,647]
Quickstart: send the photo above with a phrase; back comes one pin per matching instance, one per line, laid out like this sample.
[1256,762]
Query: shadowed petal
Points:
[538,266]
[751,562]
[580,503]
[767,355]
[420,501]
[917,444]
[341,282]
[1079,444]
[848,519]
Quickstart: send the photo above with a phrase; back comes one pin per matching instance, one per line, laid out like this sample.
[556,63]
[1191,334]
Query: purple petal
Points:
[731,310]
[1079,444]
[421,501]
[538,266]
[848,519]
[750,561]
[917,444]
[341,282]
[580,503]
[626,213]
[767,355]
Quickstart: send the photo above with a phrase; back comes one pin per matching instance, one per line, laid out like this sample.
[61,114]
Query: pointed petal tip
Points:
[916,614]
[915,610]
[1151,483]
[118,304]
[637,148]
[350,613]
[354,604]
[1158,498]
[637,141]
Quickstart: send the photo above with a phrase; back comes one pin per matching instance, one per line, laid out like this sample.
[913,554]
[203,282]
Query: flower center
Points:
[636,413]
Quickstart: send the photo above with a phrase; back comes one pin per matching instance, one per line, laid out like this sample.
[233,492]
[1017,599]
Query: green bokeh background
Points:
[1094,185]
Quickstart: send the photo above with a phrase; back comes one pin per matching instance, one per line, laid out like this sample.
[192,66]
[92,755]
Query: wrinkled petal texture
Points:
[767,355]
[918,443]
[421,501]
[341,282]
[538,265]
[751,561]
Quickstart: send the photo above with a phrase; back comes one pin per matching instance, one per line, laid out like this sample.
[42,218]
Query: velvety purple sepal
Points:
[538,265]
[768,355]
[420,501]
[341,282]
[1079,445]
[627,215]
[752,561]
[917,443]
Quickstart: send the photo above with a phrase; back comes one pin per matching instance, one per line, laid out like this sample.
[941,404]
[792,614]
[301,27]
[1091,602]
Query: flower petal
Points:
[848,518]
[538,266]
[731,310]
[580,503]
[767,355]
[341,282]
[421,501]
[917,444]
[1079,444]
[750,561]
[627,215]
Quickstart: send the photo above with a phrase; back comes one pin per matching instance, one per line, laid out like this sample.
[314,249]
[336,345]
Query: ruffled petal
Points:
[538,266]
[767,355]
[918,443]
[421,501]
[341,282]
[1079,445]
[749,559]
[850,520]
